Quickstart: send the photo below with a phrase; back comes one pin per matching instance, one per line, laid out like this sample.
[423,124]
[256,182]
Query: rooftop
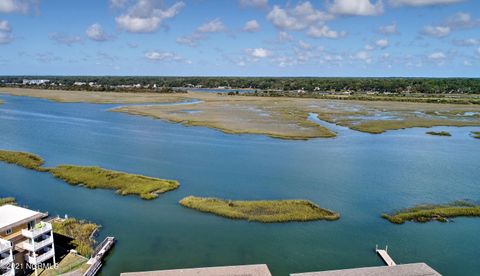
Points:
[11,215]
[242,270]
[418,269]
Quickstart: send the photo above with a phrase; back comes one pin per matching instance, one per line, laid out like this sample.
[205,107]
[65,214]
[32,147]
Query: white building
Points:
[26,242]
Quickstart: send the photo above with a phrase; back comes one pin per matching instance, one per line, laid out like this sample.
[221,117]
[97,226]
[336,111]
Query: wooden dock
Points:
[100,252]
[383,253]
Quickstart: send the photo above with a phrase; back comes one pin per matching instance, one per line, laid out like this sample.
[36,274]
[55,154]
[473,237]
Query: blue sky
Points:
[432,38]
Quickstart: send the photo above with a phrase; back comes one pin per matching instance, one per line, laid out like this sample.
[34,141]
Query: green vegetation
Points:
[476,134]
[80,231]
[261,211]
[24,159]
[7,200]
[123,183]
[95,177]
[269,86]
[380,126]
[425,213]
[71,262]
[440,133]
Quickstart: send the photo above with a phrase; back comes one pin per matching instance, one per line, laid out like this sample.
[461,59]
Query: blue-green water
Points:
[359,175]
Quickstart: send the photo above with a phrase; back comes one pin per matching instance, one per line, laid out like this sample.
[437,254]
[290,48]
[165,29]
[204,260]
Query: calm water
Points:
[358,175]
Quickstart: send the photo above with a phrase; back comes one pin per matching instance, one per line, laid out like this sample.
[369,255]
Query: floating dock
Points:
[383,253]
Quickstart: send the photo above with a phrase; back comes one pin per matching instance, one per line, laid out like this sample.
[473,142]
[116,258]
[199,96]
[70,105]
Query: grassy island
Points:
[476,134]
[24,159]
[80,231]
[261,211]
[441,213]
[95,177]
[123,183]
[439,133]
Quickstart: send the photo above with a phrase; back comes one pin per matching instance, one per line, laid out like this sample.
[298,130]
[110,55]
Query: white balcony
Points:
[10,272]
[27,245]
[39,229]
[5,246]
[6,262]
[40,258]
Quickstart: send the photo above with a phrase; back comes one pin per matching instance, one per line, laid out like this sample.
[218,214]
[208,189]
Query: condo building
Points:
[26,242]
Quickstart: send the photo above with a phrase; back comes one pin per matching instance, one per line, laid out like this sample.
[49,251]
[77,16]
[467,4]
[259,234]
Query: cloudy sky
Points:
[437,38]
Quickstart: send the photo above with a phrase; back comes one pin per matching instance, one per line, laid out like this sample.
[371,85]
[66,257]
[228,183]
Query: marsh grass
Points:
[261,211]
[7,200]
[95,177]
[381,126]
[439,133]
[476,134]
[24,159]
[123,183]
[80,231]
[426,213]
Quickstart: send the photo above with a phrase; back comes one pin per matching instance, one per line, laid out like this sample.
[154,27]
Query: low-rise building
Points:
[26,242]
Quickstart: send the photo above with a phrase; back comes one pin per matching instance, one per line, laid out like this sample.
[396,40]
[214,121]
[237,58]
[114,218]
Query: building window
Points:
[31,224]
[8,232]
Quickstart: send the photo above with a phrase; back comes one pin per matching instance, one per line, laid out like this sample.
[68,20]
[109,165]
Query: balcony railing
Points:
[5,245]
[40,228]
[40,258]
[27,245]
[6,262]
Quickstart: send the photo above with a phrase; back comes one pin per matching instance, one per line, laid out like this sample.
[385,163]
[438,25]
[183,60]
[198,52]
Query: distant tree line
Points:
[301,84]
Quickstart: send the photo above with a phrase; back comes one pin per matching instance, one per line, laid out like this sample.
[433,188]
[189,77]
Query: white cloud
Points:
[258,53]
[22,6]
[5,26]
[95,32]
[65,39]
[5,37]
[303,17]
[304,45]
[251,26]
[388,29]
[458,21]
[437,56]
[254,3]
[284,37]
[213,26]
[478,52]
[147,16]
[436,31]
[418,3]
[165,56]
[324,31]
[356,7]
[299,18]
[190,40]
[382,43]
[117,3]
[363,56]
[369,47]
[462,20]
[467,42]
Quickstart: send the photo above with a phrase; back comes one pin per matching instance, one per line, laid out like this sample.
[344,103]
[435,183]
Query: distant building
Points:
[79,83]
[26,242]
[35,82]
